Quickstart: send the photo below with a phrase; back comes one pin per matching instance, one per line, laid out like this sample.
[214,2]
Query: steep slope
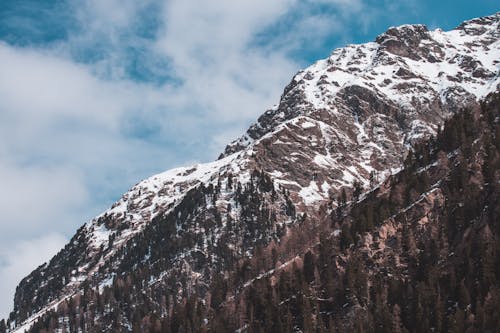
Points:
[419,253]
[347,118]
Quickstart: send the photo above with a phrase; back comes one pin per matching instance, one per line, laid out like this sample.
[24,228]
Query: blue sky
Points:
[98,94]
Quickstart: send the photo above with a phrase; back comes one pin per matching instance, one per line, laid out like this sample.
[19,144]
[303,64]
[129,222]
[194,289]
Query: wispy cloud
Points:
[20,259]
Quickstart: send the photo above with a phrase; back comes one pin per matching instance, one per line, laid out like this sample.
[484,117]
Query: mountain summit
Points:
[341,128]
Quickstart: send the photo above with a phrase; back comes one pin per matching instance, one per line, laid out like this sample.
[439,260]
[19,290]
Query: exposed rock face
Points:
[343,119]
[405,41]
[419,72]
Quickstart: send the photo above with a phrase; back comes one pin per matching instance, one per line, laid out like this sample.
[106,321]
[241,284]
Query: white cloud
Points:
[34,194]
[20,259]
[63,152]
[209,47]
[40,86]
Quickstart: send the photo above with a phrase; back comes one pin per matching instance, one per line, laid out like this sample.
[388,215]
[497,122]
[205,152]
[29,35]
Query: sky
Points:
[96,95]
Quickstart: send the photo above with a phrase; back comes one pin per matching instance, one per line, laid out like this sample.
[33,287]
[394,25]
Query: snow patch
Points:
[311,193]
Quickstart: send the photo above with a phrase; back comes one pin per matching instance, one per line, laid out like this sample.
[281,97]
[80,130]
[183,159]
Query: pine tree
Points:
[343,198]
[396,319]
[358,188]
[345,237]
[373,179]
[309,267]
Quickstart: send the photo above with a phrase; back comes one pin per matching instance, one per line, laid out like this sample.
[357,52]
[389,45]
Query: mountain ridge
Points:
[395,40]
[338,122]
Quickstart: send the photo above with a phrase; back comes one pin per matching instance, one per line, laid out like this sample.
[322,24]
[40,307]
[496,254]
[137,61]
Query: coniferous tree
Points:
[345,237]
[309,267]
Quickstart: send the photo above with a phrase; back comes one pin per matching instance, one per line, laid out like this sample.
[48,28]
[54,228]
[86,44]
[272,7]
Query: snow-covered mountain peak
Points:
[482,25]
[408,66]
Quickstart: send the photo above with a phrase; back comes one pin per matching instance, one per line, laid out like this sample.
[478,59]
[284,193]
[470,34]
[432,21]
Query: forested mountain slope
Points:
[180,250]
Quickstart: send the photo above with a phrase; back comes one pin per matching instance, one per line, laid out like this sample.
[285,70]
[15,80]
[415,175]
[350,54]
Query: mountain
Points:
[192,240]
